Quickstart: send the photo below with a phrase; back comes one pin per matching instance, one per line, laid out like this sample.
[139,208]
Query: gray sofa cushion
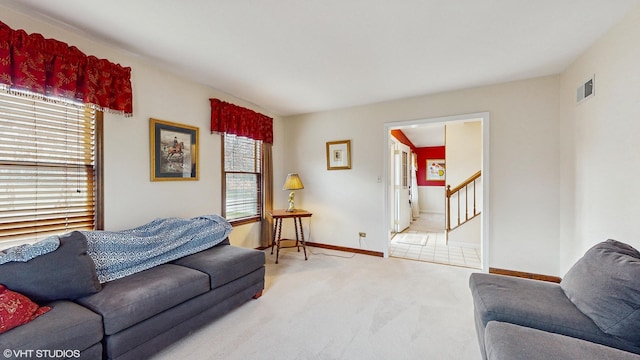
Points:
[224,263]
[142,340]
[92,353]
[66,273]
[66,326]
[506,341]
[536,304]
[605,285]
[132,299]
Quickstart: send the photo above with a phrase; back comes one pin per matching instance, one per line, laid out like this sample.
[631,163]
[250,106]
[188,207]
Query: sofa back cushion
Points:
[605,285]
[66,273]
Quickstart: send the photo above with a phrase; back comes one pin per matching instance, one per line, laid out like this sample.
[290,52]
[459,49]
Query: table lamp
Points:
[292,183]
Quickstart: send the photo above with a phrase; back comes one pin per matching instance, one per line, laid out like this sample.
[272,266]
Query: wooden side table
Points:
[277,216]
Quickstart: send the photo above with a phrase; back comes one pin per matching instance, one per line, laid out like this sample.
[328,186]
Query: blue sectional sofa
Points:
[594,313]
[132,317]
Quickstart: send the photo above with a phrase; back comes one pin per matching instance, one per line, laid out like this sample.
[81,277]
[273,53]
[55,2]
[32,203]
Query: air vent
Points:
[585,90]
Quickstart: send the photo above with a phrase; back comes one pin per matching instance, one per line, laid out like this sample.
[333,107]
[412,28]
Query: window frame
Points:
[260,184]
[99,171]
[98,174]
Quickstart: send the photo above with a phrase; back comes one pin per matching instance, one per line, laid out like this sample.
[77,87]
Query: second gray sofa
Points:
[596,307]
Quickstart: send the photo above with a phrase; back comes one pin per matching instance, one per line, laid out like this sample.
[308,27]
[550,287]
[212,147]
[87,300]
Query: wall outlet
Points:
[362,234]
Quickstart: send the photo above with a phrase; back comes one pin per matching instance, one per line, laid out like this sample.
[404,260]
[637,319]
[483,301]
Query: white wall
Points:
[468,235]
[131,199]
[600,162]
[463,141]
[432,199]
[524,139]
[464,158]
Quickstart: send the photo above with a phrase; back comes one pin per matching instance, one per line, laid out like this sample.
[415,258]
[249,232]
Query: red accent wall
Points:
[424,153]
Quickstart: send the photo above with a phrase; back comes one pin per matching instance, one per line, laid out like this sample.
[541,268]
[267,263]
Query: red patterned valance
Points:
[52,68]
[233,119]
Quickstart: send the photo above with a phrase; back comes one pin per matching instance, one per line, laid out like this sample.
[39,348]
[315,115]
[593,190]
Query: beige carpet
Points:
[356,307]
[428,222]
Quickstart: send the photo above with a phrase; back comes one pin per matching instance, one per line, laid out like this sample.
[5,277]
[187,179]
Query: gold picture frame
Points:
[339,155]
[174,151]
[436,170]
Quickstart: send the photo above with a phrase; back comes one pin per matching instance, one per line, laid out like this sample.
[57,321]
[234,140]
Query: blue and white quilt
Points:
[26,252]
[121,253]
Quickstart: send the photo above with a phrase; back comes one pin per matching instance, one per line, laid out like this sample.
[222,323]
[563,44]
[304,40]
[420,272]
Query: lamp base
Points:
[291,208]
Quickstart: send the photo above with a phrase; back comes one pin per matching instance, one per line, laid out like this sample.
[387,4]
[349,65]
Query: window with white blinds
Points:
[48,181]
[242,174]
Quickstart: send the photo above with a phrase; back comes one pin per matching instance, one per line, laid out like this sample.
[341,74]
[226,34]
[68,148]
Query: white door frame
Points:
[486,179]
[403,217]
[392,192]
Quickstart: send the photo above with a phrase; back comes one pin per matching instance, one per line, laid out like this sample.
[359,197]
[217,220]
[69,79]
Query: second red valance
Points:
[234,119]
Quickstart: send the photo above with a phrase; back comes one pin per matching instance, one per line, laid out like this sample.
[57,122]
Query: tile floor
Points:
[435,250]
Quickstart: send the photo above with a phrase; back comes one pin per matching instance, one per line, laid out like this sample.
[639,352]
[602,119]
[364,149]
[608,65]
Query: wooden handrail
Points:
[463,184]
[450,192]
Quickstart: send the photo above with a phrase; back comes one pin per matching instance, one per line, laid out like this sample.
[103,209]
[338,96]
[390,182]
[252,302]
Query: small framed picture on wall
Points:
[339,155]
[436,169]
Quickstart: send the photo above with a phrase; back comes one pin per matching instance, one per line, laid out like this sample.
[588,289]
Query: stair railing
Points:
[456,193]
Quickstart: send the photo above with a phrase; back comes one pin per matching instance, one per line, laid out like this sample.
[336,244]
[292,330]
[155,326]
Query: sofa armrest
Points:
[534,304]
[504,341]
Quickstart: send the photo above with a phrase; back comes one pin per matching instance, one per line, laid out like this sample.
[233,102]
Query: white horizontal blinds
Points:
[47,177]
[243,198]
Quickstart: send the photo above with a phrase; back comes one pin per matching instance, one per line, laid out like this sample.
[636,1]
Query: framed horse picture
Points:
[174,151]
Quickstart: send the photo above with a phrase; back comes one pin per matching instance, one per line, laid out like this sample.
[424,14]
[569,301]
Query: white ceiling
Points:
[425,135]
[299,56]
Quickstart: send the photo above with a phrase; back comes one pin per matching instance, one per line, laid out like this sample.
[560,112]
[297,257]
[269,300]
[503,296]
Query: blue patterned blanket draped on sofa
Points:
[121,253]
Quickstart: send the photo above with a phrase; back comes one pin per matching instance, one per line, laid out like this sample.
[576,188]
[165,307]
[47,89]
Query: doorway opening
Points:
[417,229]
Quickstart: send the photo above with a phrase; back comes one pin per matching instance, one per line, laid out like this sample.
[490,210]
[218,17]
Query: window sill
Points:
[238,222]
